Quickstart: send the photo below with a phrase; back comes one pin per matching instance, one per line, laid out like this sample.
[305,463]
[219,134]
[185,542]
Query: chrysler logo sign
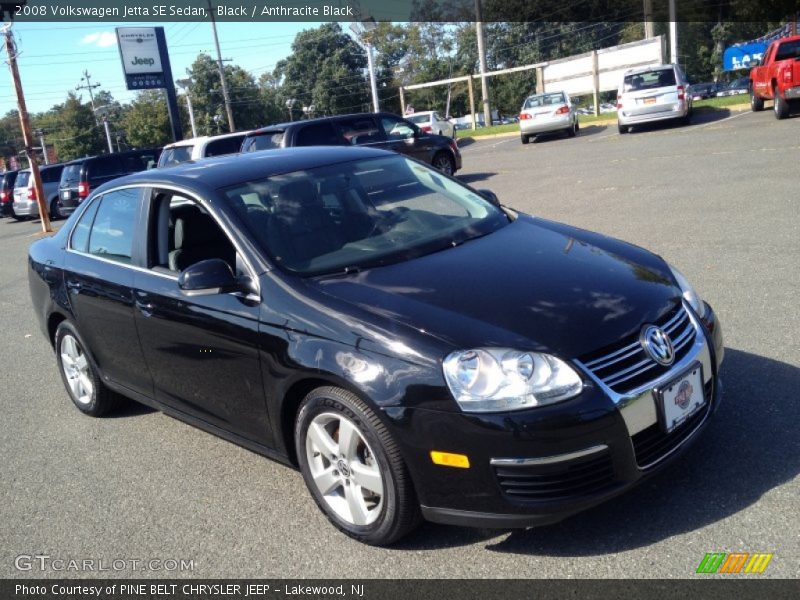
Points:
[657,345]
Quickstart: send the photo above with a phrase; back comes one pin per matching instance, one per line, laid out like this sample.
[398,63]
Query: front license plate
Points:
[681,398]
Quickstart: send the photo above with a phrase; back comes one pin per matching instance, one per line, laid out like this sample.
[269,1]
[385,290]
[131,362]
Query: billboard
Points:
[141,54]
[743,56]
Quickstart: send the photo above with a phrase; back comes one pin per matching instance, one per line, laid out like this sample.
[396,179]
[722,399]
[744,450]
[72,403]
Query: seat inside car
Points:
[301,229]
[198,237]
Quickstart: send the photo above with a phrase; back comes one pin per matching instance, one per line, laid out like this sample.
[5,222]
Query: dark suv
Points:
[83,175]
[380,130]
[7,180]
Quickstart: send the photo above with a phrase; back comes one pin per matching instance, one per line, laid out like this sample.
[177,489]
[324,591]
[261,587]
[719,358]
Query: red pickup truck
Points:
[777,76]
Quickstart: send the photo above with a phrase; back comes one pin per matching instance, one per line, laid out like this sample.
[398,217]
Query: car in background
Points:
[703,91]
[735,87]
[7,180]
[649,94]
[25,203]
[82,175]
[356,314]
[547,113]
[777,77]
[431,121]
[201,147]
[383,131]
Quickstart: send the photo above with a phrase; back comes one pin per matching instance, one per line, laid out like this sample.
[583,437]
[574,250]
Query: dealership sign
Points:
[743,56]
[141,54]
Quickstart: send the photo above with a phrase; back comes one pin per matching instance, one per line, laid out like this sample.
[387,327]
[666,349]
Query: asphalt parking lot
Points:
[719,199]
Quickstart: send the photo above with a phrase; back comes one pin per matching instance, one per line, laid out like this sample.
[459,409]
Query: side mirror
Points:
[490,196]
[207,277]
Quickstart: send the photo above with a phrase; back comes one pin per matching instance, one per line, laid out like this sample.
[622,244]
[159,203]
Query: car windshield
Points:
[175,156]
[22,179]
[70,177]
[360,214]
[544,100]
[426,118]
[649,80]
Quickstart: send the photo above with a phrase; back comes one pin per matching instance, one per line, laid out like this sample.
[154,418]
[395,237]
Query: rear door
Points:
[650,92]
[405,138]
[98,275]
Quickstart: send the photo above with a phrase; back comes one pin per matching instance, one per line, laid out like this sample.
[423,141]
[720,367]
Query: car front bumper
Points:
[568,457]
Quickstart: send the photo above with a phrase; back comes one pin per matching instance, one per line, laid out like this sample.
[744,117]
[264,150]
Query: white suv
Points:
[201,147]
[653,94]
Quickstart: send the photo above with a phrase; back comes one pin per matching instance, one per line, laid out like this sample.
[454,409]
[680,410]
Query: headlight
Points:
[689,293]
[500,379]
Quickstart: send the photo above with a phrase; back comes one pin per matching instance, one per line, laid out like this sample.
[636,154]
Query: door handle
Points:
[74,286]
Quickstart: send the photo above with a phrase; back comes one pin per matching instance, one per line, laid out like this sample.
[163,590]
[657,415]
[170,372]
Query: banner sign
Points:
[141,57]
[743,56]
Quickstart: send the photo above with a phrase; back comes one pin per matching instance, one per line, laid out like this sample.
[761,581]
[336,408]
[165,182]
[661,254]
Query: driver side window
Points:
[182,233]
[397,129]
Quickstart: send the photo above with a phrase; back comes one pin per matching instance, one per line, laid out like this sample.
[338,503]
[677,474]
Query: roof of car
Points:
[223,171]
[201,139]
[284,126]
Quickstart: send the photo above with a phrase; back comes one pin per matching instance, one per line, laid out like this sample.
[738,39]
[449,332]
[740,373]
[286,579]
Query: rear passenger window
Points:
[319,134]
[139,162]
[105,167]
[360,130]
[80,235]
[111,236]
[224,146]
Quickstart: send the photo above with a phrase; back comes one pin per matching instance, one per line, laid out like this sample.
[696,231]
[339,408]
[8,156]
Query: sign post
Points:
[145,62]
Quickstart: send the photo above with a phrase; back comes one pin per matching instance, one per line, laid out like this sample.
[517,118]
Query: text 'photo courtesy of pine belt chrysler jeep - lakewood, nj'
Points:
[417,349]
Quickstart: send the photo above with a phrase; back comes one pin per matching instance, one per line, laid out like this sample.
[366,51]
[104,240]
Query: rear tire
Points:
[525,138]
[781,106]
[79,374]
[444,162]
[55,213]
[756,103]
[343,470]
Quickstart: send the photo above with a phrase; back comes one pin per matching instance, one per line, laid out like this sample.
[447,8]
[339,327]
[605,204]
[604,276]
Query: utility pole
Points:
[40,134]
[25,123]
[673,34]
[487,112]
[362,30]
[649,31]
[88,86]
[185,83]
[221,67]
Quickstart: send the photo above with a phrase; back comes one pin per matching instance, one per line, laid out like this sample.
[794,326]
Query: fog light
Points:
[447,459]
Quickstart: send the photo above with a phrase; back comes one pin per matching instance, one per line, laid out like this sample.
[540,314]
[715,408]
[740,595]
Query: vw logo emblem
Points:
[657,345]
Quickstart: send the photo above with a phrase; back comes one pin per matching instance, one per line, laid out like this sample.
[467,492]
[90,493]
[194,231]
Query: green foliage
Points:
[72,129]
[146,122]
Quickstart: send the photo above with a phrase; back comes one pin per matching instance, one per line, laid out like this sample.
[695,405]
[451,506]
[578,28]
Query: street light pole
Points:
[362,30]
[40,134]
[185,83]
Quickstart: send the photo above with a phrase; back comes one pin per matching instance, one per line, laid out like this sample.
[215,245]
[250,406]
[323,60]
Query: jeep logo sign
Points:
[138,47]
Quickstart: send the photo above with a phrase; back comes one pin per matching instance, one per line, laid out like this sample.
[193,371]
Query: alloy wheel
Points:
[344,469]
[76,369]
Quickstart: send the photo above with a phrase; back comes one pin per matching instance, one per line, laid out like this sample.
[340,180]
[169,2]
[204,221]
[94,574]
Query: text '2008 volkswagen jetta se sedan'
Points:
[417,349]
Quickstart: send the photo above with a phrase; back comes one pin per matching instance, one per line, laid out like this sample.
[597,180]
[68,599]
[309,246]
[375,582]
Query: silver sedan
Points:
[546,113]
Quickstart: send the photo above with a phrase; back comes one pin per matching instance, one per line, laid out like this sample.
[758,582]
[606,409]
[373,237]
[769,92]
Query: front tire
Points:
[353,468]
[79,374]
[781,106]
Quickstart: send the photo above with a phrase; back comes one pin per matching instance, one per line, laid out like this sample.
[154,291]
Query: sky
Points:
[53,56]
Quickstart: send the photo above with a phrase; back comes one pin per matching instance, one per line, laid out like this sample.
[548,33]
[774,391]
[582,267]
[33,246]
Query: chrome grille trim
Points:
[633,361]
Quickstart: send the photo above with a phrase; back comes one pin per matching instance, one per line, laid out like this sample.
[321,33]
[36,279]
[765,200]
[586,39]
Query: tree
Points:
[146,121]
[71,129]
[325,69]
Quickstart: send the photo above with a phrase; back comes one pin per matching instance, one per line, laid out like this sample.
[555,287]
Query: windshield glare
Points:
[360,214]
[649,80]
[544,100]
[175,156]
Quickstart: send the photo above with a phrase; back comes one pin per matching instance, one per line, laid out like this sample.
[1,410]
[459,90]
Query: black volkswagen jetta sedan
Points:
[418,350]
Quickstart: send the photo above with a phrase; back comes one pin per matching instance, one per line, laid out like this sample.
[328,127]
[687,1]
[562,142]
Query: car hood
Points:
[533,284]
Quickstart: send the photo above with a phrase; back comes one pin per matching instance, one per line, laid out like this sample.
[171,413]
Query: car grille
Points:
[549,482]
[625,366]
[652,444]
